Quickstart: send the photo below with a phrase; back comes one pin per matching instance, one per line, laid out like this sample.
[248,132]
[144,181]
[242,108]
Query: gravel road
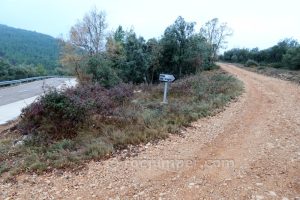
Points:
[249,151]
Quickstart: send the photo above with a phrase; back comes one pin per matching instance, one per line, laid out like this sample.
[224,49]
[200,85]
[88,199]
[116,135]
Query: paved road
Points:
[13,99]
[16,93]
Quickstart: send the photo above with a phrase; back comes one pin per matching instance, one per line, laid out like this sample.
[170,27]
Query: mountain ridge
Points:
[19,46]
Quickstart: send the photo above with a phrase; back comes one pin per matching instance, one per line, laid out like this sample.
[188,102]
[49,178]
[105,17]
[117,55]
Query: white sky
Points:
[256,23]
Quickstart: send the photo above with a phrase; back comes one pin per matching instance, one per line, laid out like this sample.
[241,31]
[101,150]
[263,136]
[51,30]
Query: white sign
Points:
[166,78]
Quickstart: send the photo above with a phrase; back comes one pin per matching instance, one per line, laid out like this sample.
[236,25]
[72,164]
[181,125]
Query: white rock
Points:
[272,193]
[190,185]
[259,197]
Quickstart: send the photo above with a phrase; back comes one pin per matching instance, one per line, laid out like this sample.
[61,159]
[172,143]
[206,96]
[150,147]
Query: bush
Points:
[251,63]
[61,114]
[292,59]
[276,65]
[55,114]
[102,73]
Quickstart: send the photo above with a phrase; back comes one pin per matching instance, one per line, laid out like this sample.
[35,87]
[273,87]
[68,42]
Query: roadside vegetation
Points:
[10,72]
[117,102]
[284,55]
[284,74]
[65,129]
[280,61]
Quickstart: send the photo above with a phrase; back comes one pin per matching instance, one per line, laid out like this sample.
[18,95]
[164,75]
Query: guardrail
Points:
[24,80]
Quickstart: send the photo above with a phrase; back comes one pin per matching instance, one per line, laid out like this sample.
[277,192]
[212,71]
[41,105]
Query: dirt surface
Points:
[249,151]
[283,74]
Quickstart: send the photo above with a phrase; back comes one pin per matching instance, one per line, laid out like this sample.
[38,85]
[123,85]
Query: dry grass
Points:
[284,74]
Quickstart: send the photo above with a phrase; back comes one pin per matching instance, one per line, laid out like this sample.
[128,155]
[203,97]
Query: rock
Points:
[191,185]
[109,187]
[259,184]
[21,141]
[259,197]
[18,143]
[272,193]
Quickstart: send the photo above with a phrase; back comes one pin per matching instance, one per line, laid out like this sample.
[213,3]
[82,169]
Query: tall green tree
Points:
[291,59]
[154,51]
[175,41]
[135,67]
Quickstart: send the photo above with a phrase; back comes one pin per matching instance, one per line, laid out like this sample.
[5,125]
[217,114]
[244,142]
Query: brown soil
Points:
[249,151]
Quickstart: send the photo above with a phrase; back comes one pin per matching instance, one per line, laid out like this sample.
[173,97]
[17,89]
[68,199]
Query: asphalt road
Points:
[13,99]
[19,92]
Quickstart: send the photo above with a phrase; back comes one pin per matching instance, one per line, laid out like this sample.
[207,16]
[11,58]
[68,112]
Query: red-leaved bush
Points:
[60,114]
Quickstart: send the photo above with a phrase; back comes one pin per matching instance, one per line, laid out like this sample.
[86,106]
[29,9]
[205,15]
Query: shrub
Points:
[102,73]
[234,58]
[251,63]
[276,65]
[55,114]
[60,114]
[121,93]
[93,96]
[292,59]
[119,118]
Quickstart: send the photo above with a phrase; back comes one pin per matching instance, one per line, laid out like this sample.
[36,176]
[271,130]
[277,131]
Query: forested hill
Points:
[19,46]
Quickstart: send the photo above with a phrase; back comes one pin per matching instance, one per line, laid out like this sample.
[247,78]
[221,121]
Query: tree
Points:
[86,40]
[102,73]
[89,33]
[216,35]
[72,59]
[175,40]
[154,54]
[119,34]
[135,67]
[292,58]
[115,51]
[283,54]
[197,54]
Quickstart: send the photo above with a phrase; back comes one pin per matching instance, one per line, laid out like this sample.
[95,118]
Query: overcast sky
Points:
[256,23]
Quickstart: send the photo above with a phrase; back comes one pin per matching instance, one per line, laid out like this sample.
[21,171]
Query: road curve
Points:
[249,151]
[27,90]
[14,98]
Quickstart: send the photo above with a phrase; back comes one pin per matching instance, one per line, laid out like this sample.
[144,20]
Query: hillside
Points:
[19,46]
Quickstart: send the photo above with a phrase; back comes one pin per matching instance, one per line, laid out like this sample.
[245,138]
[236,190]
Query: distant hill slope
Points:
[19,46]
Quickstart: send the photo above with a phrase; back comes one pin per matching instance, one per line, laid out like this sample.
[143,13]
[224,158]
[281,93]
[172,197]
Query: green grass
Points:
[142,120]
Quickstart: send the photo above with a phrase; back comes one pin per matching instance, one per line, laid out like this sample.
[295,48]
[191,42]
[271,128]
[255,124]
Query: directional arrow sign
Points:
[166,78]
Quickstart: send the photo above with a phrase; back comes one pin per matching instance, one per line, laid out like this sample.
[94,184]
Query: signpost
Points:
[166,78]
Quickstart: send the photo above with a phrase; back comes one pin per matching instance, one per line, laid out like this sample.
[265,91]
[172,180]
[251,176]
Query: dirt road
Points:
[249,151]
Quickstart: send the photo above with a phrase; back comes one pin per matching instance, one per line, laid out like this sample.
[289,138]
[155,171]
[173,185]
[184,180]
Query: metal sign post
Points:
[166,78]
[165,93]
